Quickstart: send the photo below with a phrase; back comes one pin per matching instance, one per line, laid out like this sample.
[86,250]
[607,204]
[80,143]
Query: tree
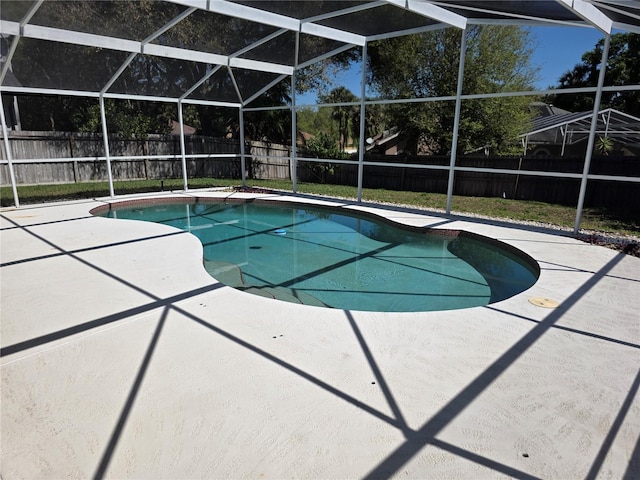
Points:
[343,114]
[623,68]
[426,65]
[317,120]
[324,146]
[40,63]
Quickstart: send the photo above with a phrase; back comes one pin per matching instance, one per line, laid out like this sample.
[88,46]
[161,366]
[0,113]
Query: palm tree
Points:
[604,146]
[343,114]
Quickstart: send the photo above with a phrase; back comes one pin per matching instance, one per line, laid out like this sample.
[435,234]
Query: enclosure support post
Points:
[105,139]
[294,121]
[7,149]
[362,144]
[294,136]
[243,148]
[592,133]
[183,150]
[456,120]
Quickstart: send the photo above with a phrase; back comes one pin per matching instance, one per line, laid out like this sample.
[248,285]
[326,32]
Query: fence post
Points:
[74,163]
[145,152]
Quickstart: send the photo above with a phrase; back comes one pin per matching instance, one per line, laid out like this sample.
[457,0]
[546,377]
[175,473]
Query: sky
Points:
[558,49]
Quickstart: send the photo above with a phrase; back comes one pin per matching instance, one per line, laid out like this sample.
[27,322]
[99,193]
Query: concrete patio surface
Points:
[122,358]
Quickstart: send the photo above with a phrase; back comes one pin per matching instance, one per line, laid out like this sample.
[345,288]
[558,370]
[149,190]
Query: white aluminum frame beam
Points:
[411,31]
[245,12]
[260,66]
[14,43]
[80,38]
[324,56]
[83,93]
[7,63]
[515,17]
[267,87]
[9,154]
[257,43]
[432,11]
[201,4]
[183,150]
[592,133]
[294,121]
[345,11]
[211,103]
[282,21]
[414,166]
[105,141]
[309,26]
[456,120]
[530,22]
[50,91]
[235,85]
[243,148]
[333,34]
[122,157]
[613,7]
[118,72]
[10,28]
[150,38]
[590,14]
[361,141]
[626,27]
[197,85]
[119,44]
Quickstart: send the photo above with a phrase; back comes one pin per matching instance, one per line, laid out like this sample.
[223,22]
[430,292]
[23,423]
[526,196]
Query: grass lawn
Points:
[598,219]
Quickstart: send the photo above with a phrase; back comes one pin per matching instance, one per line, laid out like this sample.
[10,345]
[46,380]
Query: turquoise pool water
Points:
[332,259]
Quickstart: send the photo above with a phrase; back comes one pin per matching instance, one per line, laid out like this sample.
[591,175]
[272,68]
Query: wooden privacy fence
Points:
[562,191]
[270,161]
[75,157]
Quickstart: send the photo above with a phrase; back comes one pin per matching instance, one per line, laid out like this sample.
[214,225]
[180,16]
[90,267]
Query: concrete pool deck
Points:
[122,358]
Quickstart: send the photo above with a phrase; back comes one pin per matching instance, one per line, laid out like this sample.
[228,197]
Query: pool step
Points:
[231,275]
[225,272]
[286,295]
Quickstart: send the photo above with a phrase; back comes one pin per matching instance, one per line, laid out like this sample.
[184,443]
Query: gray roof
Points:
[622,127]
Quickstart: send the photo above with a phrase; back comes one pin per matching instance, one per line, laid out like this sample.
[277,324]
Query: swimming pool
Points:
[331,258]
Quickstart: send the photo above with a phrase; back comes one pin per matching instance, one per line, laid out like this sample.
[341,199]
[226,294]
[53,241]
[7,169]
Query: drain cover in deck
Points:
[543,302]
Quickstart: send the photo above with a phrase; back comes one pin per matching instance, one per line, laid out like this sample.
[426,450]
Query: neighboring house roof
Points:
[175,128]
[547,109]
[574,127]
[388,138]
[304,137]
